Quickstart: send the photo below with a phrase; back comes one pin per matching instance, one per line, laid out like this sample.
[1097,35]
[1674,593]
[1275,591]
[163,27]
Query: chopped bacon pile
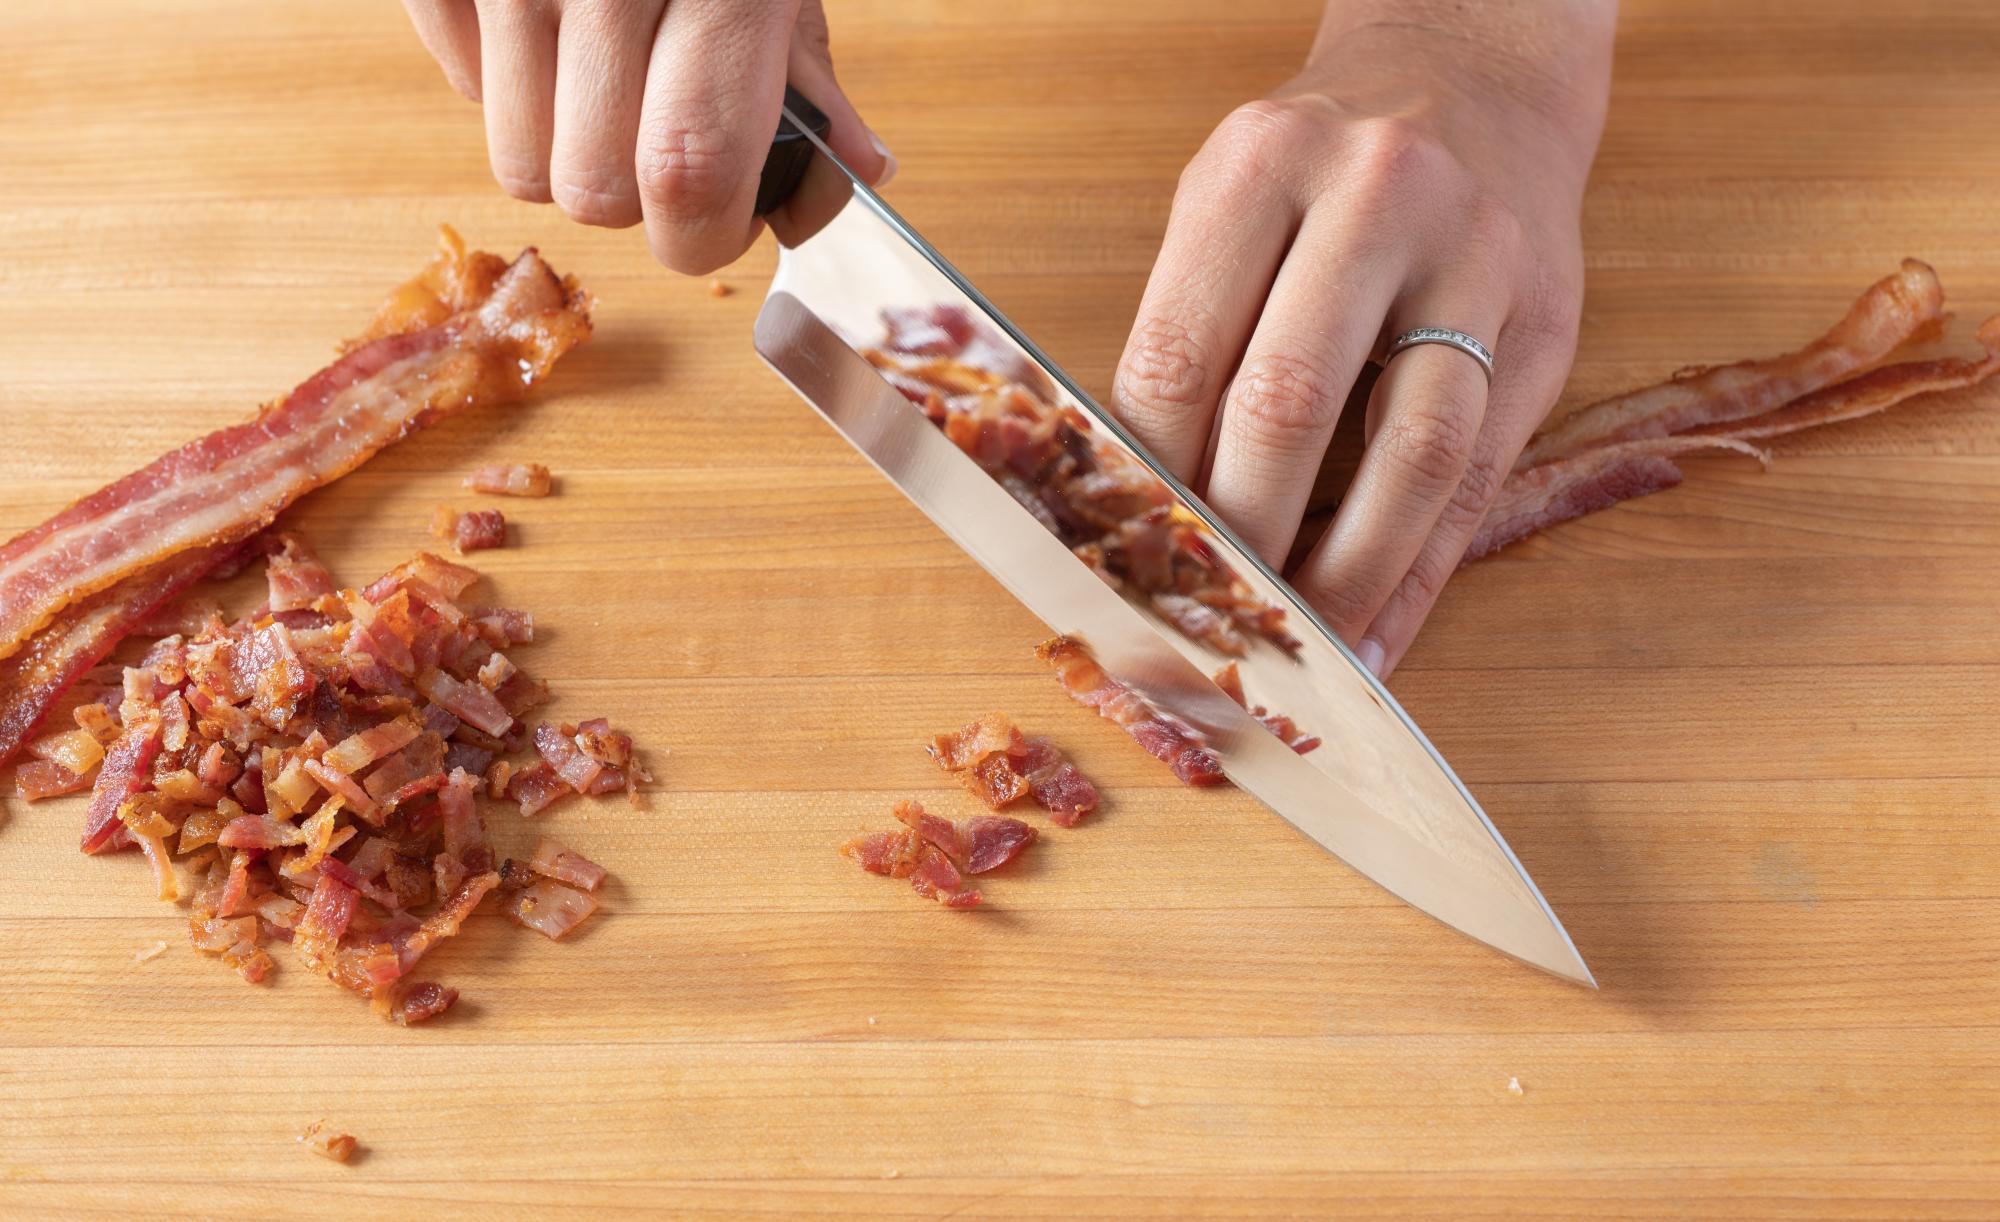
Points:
[591,758]
[935,853]
[1625,447]
[1287,730]
[471,329]
[470,530]
[311,773]
[511,479]
[1167,738]
[1107,507]
[994,760]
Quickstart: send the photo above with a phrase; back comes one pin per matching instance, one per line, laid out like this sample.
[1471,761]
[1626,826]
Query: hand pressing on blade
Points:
[622,111]
[1425,170]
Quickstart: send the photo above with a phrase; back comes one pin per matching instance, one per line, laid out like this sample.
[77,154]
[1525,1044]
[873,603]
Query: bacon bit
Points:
[337,1146]
[150,953]
[1284,727]
[364,747]
[423,1001]
[717,288]
[552,860]
[227,486]
[469,530]
[995,761]
[976,845]
[497,776]
[1891,312]
[469,702]
[38,779]
[296,578]
[511,479]
[535,786]
[548,907]
[906,854]
[1167,738]
[124,771]
[557,746]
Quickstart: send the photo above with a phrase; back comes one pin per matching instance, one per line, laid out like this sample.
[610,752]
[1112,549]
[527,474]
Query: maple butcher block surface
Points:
[1745,734]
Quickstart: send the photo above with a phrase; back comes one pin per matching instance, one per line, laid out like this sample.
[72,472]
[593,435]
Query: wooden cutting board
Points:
[1743,733]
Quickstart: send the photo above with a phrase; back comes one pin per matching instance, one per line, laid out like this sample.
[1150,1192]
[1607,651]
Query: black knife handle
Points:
[785,165]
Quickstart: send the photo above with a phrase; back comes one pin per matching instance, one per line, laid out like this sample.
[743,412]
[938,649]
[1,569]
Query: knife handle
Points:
[785,165]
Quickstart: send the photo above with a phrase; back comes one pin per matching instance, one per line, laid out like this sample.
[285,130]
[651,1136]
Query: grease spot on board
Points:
[1782,874]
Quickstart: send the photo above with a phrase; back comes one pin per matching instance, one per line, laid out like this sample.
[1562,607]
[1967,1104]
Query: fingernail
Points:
[888,159]
[1371,654]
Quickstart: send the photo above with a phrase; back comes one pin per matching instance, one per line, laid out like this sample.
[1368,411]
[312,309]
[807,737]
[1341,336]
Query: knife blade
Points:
[1376,794]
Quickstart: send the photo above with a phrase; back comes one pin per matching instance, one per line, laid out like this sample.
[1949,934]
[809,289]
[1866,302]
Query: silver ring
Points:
[1446,336]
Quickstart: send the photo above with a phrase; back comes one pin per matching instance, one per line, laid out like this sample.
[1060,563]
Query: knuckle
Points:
[597,197]
[1285,399]
[685,170]
[1167,368]
[1250,145]
[521,178]
[1425,581]
[1428,447]
[1394,158]
[1347,597]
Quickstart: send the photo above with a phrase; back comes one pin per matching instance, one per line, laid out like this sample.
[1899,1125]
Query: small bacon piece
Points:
[907,854]
[317,935]
[295,575]
[38,779]
[1891,312]
[423,1001]
[1287,730]
[35,677]
[230,484]
[469,530]
[975,845]
[76,750]
[548,907]
[891,853]
[322,1141]
[125,770]
[992,758]
[510,479]
[1568,488]
[1167,738]
[363,748]
[936,878]
[468,702]
[535,787]
[557,745]
[552,860]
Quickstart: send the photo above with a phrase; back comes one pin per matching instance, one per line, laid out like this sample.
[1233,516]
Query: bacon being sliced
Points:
[1568,488]
[230,484]
[1889,314]
[34,679]
[1230,680]
[511,479]
[1167,738]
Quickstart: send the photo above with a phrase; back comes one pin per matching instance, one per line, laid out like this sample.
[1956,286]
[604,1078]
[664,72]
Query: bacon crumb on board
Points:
[1167,738]
[469,530]
[993,759]
[511,479]
[1287,730]
[935,853]
[314,776]
[718,287]
[471,329]
[327,1143]
[150,953]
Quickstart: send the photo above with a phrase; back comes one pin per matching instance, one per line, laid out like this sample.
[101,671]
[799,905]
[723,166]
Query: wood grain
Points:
[1743,733]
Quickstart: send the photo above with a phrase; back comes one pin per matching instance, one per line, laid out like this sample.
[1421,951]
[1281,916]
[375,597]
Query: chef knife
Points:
[1376,794]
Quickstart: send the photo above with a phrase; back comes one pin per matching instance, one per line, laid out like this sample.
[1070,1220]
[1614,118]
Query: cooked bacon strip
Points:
[1870,393]
[470,530]
[231,483]
[34,679]
[995,761]
[511,479]
[1287,730]
[975,845]
[1167,738]
[1894,310]
[1543,496]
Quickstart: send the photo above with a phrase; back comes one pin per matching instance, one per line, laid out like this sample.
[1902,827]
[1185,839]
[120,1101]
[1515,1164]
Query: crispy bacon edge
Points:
[1167,738]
